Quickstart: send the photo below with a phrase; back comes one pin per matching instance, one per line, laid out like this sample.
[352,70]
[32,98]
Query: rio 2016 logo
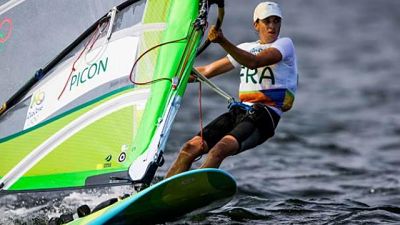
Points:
[6,27]
[36,106]
[38,99]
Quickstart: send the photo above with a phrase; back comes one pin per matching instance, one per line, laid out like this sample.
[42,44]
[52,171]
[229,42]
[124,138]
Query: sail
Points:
[100,112]
[32,33]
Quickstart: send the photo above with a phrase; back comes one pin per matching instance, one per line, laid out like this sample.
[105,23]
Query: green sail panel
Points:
[85,124]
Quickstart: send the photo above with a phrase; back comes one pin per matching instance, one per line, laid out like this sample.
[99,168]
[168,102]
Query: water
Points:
[335,158]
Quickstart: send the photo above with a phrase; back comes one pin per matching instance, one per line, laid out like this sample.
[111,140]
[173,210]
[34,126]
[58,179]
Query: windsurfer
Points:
[267,88]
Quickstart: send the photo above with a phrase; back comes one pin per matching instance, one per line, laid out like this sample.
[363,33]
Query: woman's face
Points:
[268,29]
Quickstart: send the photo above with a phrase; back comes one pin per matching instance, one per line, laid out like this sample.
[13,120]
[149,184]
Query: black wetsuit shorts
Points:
[249,127]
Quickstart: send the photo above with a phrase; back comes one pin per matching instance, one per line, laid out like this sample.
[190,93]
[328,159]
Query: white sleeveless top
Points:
[273,85]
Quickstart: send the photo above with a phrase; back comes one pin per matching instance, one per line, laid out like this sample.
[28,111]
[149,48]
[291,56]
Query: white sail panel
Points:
[114,63]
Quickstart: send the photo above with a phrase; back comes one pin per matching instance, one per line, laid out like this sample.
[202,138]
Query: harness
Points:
[240,105]
[251,109]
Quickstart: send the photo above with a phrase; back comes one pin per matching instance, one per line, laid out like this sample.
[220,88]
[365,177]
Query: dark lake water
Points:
[335,158]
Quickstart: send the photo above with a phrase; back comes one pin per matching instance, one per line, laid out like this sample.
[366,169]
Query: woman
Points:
[268,84]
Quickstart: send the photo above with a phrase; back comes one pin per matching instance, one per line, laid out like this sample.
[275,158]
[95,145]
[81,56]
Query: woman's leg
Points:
[189,152]
[227,146]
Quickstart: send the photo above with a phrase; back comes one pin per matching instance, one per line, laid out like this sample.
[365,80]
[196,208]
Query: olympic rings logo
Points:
[6,27]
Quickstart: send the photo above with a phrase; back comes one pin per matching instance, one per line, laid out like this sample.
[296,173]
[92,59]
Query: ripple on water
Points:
[367,216]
